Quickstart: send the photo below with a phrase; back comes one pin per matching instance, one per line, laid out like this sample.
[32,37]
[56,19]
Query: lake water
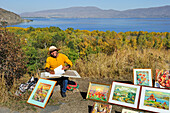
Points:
[101,24]
[160,100]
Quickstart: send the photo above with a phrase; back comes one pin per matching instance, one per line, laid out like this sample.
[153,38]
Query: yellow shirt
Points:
[61,59]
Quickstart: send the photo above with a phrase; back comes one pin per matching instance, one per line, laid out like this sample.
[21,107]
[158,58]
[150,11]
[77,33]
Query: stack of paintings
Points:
[140,95]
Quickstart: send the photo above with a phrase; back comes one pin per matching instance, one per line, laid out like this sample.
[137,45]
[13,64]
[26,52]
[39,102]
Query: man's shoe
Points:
[63,94]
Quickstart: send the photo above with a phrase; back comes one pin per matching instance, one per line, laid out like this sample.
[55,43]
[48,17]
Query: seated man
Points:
[56,59]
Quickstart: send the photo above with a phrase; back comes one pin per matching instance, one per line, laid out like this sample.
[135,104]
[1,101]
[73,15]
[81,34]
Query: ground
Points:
[75,102]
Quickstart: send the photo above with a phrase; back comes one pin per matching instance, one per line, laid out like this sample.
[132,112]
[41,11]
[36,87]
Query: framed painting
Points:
[128,111]
[124,94]
[41,93]
[101,108]
[162,79]
[142,77]
[155,100]
[98,92]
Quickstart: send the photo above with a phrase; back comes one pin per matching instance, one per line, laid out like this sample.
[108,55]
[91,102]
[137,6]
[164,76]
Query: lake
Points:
[159,100]
[101,24]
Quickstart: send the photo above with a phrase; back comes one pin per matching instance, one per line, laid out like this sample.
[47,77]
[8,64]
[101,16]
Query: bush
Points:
[12,59]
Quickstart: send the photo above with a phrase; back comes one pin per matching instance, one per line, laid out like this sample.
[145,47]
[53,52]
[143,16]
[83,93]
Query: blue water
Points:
[102,24]
[160,100]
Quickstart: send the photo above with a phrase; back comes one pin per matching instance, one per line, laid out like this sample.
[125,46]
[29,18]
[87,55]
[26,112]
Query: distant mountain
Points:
[94,12]
[9,17]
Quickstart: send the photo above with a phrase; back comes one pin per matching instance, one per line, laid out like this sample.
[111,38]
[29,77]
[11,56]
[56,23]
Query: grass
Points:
[10,100]
[120,64]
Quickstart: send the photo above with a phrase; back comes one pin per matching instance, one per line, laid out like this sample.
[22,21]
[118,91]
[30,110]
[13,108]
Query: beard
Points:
[53,56]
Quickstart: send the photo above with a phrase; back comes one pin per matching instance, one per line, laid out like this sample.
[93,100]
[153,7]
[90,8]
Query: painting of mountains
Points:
[155,99]
[124,94]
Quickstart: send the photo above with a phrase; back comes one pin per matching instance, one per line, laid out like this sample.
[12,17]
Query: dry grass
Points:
[10,100]
[119,65]
[14,102]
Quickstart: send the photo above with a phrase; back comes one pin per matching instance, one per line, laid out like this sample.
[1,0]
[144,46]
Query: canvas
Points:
[98,92]
[68,73]
[128,111]
[142,77]
[162,79]
[101,108]
[41,93]
[155,99]
[124,94]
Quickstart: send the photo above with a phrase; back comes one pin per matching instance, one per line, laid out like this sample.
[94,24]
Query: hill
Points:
[9,17]
[94,12]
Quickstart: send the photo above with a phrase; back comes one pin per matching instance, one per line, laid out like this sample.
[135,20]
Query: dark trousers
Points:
[62,81]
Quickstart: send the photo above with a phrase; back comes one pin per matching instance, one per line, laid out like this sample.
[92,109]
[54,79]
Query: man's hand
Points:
[65,67]
[52,72]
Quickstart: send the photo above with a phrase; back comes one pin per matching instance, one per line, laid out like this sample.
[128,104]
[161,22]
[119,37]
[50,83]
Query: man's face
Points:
[54,53]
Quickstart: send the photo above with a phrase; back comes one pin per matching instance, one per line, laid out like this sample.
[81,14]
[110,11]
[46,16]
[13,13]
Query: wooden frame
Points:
[162,78]
[101,108]
[41,93]
[142,77]
[98,92]
[125,94]
[155,100]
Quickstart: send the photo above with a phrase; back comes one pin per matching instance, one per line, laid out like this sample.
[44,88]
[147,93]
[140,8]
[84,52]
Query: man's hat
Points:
[53,48]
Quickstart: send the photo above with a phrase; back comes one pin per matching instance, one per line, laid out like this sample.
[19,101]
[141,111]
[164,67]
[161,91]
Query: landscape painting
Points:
[124,94]
[155,99]
[41,93]
[142,77]
[101,108]
[98,92]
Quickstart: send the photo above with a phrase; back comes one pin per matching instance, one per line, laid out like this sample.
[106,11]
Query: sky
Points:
[21,6]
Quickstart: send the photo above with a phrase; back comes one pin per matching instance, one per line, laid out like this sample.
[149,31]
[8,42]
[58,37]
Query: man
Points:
[56,59]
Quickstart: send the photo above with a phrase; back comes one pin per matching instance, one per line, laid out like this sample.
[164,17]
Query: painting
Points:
[101,108]
[128,111]
[142,77]
[68,73]
[124,94]
[98,92]
[162,79]
[41,93]
[155,99]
